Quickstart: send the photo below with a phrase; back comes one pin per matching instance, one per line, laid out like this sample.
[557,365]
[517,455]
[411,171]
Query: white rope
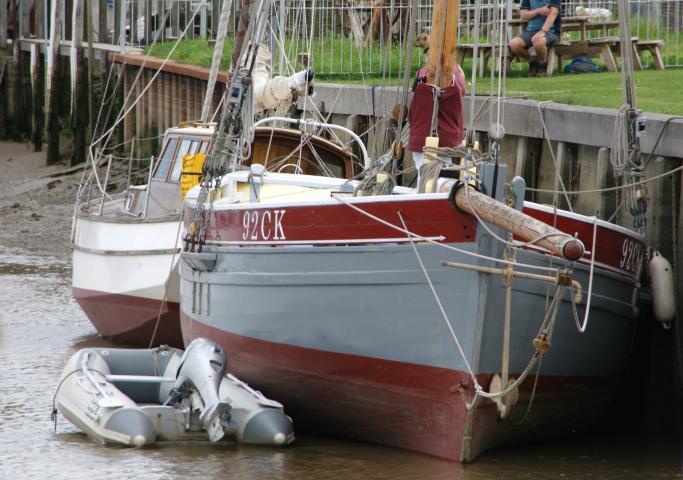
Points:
[547,323]
[442,245]
[611,189]
[168,280]
[440,305]
[582,326]
[149,84]
[552,154]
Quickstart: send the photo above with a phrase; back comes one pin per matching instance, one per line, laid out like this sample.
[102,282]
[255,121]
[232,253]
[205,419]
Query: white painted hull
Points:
[125,273]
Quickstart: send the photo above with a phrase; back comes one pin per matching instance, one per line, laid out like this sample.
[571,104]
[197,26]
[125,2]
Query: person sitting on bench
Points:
[543,30]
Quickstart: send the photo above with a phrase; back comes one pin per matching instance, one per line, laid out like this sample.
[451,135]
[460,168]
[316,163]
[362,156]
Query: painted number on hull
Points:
[263,225]
[631,255]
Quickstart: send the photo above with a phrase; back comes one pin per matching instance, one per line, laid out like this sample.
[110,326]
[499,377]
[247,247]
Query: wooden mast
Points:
[443,42]
[441,59]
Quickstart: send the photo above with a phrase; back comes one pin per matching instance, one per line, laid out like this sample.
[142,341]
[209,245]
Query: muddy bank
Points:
[36,209]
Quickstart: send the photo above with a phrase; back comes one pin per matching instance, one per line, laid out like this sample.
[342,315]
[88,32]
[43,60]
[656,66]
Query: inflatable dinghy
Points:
[137,397]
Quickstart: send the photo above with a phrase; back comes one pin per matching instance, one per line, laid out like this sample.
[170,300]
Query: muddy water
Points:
[41,326]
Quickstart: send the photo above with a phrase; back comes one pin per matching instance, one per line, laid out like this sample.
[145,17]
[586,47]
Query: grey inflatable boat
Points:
[137,397]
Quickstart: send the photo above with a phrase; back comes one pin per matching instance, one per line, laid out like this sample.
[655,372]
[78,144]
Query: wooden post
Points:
[443,42]
[53,110]
[79,87]
[21,122]
[25,18]
[91,59]
[127,85]
[521,156]
[51,60]
[103,33]
[134,12]
[3,24]
[160,25]
[40,27]
[38,97]
[148,20]
[559,159]
[75,53]
[116,18]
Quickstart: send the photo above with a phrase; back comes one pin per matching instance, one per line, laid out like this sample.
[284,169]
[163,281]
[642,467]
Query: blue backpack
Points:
[581,64]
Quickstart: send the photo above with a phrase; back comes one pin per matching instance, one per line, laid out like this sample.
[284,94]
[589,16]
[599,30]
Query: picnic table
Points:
[604,47]
[580,24]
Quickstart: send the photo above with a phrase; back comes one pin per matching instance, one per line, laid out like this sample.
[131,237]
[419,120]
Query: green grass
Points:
[657,91]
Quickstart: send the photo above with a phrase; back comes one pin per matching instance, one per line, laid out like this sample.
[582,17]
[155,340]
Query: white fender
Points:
[662,285]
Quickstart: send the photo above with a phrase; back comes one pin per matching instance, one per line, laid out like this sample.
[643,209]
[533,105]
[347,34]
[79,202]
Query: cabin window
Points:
[164,163]
[183,149]
[203,147]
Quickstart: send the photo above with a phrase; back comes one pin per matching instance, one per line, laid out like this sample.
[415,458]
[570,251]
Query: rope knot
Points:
[541,343]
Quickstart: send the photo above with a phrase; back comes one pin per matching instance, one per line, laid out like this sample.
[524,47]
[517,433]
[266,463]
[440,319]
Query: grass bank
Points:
[657,91]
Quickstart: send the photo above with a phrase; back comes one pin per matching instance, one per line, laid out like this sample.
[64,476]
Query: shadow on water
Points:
[41,326]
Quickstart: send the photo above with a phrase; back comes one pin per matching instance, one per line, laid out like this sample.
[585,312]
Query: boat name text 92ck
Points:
[263,225]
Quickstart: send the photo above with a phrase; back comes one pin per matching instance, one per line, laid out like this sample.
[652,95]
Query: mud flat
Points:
[36,207]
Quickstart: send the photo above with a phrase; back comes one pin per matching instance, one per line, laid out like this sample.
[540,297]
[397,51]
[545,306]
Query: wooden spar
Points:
[443,42]
[217,53]
[241,32]
[519,224]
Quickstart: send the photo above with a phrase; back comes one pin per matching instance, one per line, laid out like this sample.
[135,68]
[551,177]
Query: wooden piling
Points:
[53,111]
[102,33]
[21,94]
[3,96]
[3,24]
[79,85]
[52,61]
[38,96]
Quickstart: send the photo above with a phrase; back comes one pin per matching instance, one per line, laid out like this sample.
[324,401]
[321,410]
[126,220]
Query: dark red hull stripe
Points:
[404,405]
[130,319]
[431,218]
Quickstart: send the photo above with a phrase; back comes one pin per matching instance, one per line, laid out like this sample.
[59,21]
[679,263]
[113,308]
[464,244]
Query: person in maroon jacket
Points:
[450,129]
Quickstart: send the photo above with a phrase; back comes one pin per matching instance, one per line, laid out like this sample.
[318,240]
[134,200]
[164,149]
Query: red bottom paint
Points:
[413,407]
[130,319]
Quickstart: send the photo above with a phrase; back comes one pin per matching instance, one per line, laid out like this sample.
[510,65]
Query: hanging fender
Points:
[662,286]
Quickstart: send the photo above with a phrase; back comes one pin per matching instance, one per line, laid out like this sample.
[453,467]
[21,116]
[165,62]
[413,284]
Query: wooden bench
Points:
[596,47]
[466,50]
[652,46]
[616,51]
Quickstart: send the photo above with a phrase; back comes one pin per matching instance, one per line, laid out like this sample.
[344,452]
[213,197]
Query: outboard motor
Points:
[202,368]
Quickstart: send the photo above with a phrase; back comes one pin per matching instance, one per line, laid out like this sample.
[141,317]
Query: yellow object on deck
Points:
[192,171]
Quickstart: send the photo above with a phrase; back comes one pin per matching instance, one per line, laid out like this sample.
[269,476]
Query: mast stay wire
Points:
[137,78]
[122,114]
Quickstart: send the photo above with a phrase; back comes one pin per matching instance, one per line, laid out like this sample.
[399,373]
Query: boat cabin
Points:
[279,149]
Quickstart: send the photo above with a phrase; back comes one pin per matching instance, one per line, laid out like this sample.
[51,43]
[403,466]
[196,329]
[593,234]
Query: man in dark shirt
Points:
[543,30]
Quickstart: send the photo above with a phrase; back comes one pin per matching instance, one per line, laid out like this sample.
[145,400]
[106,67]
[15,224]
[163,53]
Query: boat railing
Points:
[117,187]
